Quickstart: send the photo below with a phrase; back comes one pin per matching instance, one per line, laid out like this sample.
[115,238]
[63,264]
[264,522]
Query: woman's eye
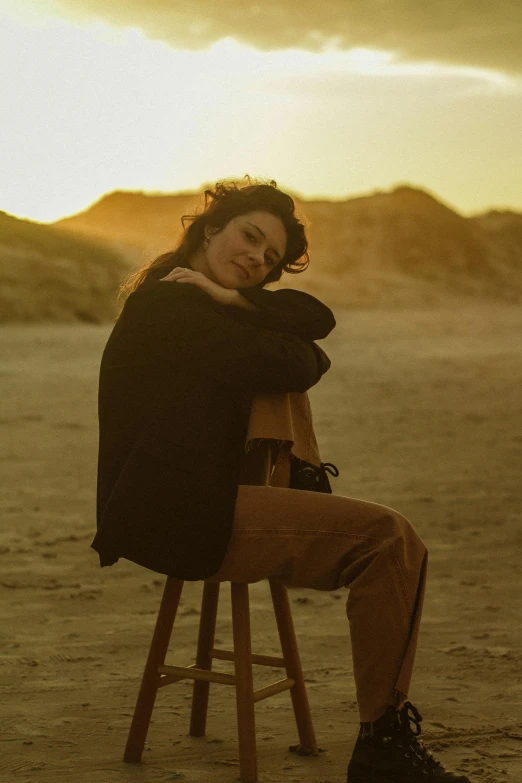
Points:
[252,238]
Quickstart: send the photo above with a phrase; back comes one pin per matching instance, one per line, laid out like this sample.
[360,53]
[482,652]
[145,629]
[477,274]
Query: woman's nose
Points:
[256,257]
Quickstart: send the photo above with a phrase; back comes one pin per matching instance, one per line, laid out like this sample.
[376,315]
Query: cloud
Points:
[477,33]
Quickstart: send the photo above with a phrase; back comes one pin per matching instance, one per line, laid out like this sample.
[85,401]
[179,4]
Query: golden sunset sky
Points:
[331,99]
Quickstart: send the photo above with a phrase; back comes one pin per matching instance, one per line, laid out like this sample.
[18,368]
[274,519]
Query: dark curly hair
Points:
[226,200]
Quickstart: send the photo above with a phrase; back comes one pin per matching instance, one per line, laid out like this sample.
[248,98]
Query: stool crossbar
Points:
[158,674]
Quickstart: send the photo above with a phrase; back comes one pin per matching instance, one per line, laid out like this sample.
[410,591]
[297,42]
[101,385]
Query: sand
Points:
[420,411]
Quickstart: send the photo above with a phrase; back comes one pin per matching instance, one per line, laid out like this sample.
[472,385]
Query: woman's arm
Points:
[178,325]
[289,310]
[285,310]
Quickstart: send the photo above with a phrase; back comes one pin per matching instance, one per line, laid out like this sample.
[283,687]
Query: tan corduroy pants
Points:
[327,542]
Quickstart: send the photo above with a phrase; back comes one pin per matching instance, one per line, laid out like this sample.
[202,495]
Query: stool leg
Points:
[246,723]
[290,650]
[151,676]
[207,629]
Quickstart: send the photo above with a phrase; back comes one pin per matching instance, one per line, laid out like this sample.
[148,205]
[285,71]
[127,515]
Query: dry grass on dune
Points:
[49,274]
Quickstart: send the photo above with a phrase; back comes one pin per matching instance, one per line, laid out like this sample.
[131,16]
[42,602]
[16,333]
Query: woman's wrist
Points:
[237,300]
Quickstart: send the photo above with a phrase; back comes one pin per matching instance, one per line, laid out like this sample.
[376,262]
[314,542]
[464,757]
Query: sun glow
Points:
[94,108]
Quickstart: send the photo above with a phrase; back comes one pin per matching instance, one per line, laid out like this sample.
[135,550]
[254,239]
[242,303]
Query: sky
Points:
[333,100]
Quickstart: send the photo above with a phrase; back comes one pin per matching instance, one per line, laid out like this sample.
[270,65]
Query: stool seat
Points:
[158,674]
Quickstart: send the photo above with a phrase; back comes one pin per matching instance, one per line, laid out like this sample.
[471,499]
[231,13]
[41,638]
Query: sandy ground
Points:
[420,411]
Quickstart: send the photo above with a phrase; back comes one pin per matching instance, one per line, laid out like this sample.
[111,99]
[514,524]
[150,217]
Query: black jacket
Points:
[177,379]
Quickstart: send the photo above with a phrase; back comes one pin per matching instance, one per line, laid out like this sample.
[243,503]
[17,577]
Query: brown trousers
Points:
[327,542]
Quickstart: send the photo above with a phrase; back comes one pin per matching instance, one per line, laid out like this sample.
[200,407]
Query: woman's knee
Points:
[401,529]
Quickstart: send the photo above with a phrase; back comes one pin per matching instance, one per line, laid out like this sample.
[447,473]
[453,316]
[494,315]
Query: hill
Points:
[48,274]
[504,229]
[386,248]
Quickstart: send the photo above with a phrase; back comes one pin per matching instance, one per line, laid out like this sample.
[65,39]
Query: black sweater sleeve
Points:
[286,310]
[177,324]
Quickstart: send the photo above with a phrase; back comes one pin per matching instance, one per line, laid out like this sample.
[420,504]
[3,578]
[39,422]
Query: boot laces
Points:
[329,467]
[410,736]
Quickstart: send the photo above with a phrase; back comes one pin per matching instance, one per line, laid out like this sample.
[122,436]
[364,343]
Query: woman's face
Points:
[254,242]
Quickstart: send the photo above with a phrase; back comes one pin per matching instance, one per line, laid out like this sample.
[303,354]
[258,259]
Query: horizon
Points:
[304,199]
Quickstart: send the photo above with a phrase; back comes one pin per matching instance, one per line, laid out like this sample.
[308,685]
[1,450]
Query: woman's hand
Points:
[179,274]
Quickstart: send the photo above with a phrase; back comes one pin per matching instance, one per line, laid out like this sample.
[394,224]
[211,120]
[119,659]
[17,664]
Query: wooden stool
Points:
[157,674]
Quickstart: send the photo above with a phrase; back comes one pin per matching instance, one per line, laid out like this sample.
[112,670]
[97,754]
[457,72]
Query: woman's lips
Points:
[243,270]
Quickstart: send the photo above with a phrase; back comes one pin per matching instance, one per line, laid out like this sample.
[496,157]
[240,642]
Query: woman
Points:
[197,338]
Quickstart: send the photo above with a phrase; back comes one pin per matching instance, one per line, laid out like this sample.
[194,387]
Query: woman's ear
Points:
[210,230]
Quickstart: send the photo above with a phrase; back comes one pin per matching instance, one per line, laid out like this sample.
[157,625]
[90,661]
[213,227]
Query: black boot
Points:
[388,751]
